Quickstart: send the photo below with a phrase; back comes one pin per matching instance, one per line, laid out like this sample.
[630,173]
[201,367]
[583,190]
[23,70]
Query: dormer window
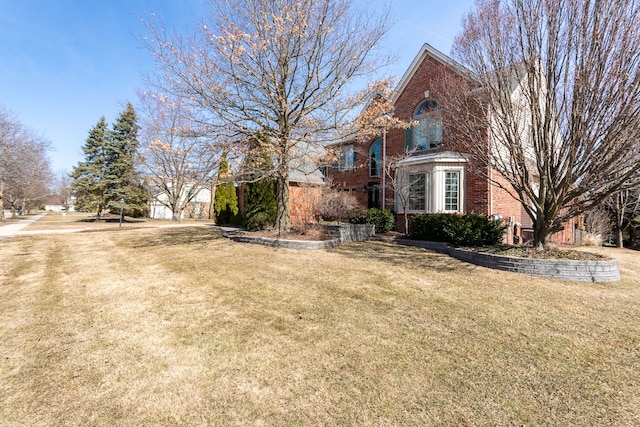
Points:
[427,134]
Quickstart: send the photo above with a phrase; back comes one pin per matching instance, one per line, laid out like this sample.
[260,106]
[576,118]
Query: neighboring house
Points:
[57,203]
[199,207]
[434,174]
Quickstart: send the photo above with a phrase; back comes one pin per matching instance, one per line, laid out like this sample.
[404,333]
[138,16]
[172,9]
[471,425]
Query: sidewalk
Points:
[13,229]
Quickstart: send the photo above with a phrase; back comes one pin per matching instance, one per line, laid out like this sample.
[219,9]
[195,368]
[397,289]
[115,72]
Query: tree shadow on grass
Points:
[175,237]
[403,256]
[113,220]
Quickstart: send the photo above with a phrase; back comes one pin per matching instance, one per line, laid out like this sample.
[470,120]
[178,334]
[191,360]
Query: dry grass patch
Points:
[179,326]
[86,222]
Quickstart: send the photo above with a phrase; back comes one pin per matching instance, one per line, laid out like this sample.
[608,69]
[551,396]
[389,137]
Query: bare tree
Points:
[179,157]
[623,207]
[9,134]
[551,101]
[597,226]
[285,69]
[24,165]
[63,189]
[405,187]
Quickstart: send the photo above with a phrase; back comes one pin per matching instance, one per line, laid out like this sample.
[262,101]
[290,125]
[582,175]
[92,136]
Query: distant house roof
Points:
[305,167]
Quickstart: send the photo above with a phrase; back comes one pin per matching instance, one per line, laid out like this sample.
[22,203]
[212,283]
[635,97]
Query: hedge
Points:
[460,230]
[382,220]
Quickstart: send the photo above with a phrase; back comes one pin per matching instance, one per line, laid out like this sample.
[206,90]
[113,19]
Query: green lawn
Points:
[178,326]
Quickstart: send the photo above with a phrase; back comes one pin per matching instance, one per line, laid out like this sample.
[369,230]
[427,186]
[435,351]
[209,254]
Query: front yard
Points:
[178,326]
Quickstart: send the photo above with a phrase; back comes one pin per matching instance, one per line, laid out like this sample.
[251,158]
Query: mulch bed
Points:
[527,252]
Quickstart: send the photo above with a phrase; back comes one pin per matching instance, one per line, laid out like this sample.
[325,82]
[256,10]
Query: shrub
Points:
[460,230]
[589,239]
[382,220]
[225,203]
[258,219]
[337,205]
[259,204]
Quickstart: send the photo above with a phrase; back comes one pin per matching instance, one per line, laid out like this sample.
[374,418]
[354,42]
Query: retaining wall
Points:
[338,234]
[350,232]
[583,271]
[282,243]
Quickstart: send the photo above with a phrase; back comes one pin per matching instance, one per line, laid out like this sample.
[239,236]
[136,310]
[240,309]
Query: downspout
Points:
[490,191]
[384,168]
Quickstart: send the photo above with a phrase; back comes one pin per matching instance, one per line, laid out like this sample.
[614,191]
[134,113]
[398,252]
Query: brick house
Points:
[434,176]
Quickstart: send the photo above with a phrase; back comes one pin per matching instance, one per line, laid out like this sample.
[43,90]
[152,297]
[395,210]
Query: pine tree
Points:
[226,200]
[122,180]
[88,176]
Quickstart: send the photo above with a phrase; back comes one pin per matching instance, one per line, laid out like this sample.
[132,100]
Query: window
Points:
[417,189]
[451,191]
[427,134]
[347,159]
[374,158]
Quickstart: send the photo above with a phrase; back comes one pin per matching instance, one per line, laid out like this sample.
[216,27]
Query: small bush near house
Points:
[337,205]
[460,230]
[382,219]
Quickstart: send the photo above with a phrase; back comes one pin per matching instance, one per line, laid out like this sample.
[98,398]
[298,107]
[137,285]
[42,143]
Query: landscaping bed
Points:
[566,265]
[527,252]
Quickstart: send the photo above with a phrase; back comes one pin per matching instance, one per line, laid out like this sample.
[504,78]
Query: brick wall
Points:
[304,200]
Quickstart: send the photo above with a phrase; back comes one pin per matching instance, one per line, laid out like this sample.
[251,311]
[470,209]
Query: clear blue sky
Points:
[66,63]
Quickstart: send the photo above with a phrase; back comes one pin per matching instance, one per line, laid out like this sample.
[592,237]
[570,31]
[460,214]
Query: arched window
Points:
[428,133]
[375,158]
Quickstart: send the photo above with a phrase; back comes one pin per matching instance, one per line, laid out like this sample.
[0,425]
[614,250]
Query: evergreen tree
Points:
[122,180]
[259,192]
[259,204]
[225,201]
[88,176]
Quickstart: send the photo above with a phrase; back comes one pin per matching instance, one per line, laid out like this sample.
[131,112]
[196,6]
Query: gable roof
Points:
[428,50]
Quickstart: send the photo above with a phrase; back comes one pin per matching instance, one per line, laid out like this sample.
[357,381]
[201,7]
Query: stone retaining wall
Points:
[337,233]
[283,243]
[583,271]
[350,232]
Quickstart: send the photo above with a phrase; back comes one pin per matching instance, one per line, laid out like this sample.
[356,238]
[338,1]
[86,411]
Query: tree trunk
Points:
[541,235]
[406,223]
[619,242]
[283,216]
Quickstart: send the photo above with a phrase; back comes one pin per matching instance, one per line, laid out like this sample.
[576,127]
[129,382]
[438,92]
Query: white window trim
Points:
[435,187]
[444,191]
[440,195]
